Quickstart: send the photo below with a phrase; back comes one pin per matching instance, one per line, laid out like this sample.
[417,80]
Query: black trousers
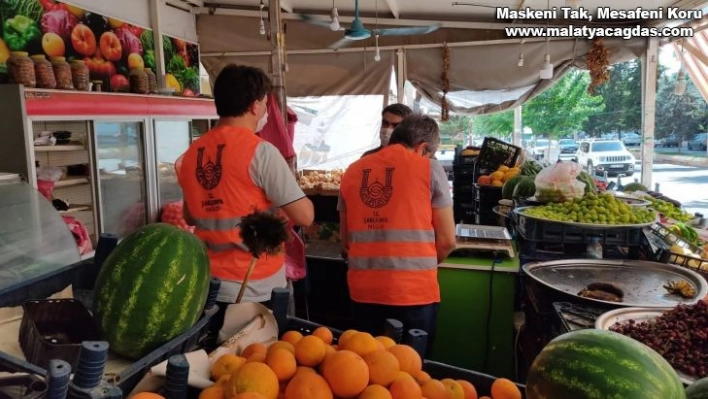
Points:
[372,317]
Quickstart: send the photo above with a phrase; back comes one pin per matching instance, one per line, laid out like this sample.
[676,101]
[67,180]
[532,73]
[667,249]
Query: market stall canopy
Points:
[693,53]
[484,75]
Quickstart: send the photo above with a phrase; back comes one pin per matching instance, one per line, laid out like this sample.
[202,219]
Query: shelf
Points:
[76,208]
[61,147]
[73,181]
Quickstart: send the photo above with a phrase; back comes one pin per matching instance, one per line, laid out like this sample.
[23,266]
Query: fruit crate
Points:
[482,382]
[495,153]
[487,194]
[486,219]
[464,215]
[54,329]
[562,233]
[663,253]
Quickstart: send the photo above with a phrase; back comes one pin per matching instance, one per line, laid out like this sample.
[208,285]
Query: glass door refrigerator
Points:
[120,164]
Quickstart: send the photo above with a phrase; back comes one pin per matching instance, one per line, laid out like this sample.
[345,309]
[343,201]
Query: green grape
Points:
[603,208]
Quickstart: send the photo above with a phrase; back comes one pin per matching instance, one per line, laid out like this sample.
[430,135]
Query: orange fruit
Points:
[305,369]
[310,351]
[226,365]
[421,376]
[283,363]
[434,389]
[223,381]
[346,373]
[345,336]
[485,397]
[375,392]
[256,347]
[324,333]
[454,388]
[503,388]
[469,389]
[249,395]
[292,337]
[282,345]
[258,357]
[361,343]
[386,341]
[383,367]
[408,358]
[308,386]
[147,395]
[254,377]
[405,387]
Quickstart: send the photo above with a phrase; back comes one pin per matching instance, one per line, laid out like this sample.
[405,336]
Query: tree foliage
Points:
[560,110]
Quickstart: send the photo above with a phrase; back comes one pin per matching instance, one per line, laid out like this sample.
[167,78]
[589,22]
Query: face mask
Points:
[385,135]
[262,122]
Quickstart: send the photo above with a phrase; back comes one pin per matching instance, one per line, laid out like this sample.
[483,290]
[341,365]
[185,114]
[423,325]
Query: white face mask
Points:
[262,122]
[385,135]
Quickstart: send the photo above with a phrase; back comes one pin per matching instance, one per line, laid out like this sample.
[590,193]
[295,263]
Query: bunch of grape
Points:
[668,209]
[602,208]
[679,335]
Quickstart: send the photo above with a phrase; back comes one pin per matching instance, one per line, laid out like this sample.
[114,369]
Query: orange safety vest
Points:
[392,256]
[219,191]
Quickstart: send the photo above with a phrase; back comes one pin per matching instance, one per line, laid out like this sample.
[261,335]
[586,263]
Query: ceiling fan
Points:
[357,31]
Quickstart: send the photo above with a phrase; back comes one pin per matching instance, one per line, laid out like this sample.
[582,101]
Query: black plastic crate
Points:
[462,196]
[464,216]
[496,153]
[482,382]
[486,219]
[561,233]
[488,194]
[465,205]
[465,160]
[54,329]
[464,174]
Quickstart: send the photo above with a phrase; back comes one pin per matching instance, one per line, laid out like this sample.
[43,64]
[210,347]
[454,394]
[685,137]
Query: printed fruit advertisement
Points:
[109,47]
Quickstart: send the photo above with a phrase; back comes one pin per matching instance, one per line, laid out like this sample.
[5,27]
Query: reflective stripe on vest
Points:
[392,263]
[224,225]
[392,236]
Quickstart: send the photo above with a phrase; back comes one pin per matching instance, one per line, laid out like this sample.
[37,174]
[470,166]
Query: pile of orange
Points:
[360,366]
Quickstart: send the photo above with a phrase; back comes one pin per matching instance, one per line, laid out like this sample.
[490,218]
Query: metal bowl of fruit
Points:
[655,327]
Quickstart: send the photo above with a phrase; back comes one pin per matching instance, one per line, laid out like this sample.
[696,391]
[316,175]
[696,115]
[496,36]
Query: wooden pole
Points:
[277,57]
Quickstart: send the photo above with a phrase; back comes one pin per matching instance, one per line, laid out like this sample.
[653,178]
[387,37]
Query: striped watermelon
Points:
[698,390]
[151,288]
[599,364]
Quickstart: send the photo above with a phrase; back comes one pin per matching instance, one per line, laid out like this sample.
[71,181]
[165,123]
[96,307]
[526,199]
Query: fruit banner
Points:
[109,47]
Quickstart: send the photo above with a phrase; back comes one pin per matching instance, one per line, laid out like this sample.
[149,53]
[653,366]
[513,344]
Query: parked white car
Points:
[602,156]
[544,149]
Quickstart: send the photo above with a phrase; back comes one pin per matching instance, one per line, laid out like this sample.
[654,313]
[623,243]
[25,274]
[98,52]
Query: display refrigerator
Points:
[108,156]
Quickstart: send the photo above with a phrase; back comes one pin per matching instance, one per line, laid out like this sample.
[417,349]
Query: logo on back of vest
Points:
[209,175]
[376,195]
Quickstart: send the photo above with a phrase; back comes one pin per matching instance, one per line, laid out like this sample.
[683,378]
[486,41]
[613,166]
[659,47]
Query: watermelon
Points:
[525,188]
[698,390]
[600,364]
[509,185]
[151,288]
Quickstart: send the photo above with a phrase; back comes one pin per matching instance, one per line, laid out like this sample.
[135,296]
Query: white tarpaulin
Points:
[333,131]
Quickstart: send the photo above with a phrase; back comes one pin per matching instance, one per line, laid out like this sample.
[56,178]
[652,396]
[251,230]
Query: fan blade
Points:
[318,22]
[407,31]
[343,42]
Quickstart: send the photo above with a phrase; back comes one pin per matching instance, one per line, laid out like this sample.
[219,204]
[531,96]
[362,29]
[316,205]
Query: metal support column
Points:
[156,27]
[400,75]
[277,59]
[649,71]
[518,126]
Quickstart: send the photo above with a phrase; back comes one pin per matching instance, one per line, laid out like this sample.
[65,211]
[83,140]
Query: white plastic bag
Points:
[559,183]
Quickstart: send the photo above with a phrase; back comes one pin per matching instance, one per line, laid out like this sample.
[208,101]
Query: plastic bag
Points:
[49,174]
[559,183]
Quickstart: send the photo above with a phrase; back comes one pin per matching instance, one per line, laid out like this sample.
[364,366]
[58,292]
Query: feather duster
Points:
[263,233]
